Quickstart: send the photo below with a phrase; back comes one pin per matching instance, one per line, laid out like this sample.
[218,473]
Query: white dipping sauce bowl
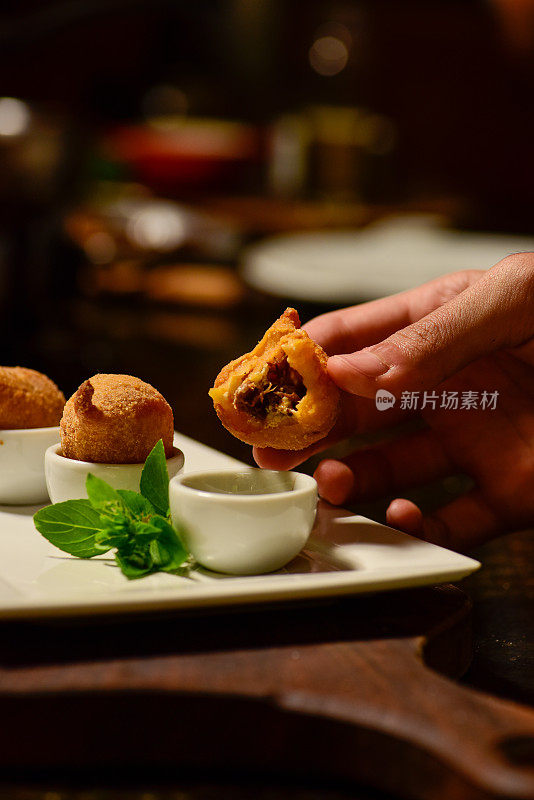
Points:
[244,522]
[66,477]
[22,473]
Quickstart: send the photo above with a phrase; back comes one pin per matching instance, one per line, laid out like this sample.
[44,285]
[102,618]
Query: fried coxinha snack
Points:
[279,395]
[28,399]
[115,419]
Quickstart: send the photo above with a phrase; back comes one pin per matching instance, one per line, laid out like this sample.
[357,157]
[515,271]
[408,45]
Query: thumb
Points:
[495,312]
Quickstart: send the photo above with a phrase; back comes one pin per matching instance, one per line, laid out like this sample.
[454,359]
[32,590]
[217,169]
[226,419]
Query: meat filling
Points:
[277,391]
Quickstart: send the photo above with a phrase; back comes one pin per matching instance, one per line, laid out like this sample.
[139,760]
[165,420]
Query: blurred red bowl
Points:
[189,153]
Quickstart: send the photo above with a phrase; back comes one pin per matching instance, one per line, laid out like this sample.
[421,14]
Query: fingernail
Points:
[368,364]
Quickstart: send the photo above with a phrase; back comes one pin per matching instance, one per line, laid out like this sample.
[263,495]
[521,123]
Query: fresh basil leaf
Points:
[170,541]
[100,493]
[179,530]
[135,503]
[131,569]
[165,528]
[159,554]
[117,522]
[144,532]
[71,526]
[107,539]
[127,547]
[154,482]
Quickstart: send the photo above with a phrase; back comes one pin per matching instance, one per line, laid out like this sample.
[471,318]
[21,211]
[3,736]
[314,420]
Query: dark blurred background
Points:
[144,146]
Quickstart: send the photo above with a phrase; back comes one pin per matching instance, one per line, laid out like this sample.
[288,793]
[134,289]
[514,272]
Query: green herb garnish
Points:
[136,525]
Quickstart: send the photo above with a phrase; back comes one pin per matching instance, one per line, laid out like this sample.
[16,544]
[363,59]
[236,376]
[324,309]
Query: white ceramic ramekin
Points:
[66,477]
[244,522]
[22,474]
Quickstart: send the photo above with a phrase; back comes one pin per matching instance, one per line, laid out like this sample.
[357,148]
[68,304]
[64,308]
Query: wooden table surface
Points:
[180,352]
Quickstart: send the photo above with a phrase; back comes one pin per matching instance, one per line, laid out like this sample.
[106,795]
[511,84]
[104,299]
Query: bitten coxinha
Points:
[280,394]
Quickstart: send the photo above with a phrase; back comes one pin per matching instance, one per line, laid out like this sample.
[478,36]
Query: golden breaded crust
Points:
[315,412]
[115,419]
[28,399]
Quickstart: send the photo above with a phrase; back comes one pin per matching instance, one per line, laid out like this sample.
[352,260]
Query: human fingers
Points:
[348,329]
[379,470]
[493,312]
[461,525]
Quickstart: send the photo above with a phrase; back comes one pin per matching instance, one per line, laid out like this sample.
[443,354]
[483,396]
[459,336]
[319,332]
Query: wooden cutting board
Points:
[342,690]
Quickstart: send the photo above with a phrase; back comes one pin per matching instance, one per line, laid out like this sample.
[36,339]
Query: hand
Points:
[469,331]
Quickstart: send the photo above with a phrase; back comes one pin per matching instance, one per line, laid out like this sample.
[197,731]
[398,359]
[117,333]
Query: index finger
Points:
[349,329]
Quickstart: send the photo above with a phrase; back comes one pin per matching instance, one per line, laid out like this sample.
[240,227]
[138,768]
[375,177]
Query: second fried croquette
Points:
[28,399]
[115,419]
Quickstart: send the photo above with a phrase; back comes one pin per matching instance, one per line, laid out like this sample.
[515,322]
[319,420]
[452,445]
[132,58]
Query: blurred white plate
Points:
[392,255]
[346,554]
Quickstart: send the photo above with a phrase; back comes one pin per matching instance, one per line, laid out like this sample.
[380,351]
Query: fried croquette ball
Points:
[28,399]
[115,419]
[279,395]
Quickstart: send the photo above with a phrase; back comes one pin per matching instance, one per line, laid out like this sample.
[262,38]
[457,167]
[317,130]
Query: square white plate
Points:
[346,554]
